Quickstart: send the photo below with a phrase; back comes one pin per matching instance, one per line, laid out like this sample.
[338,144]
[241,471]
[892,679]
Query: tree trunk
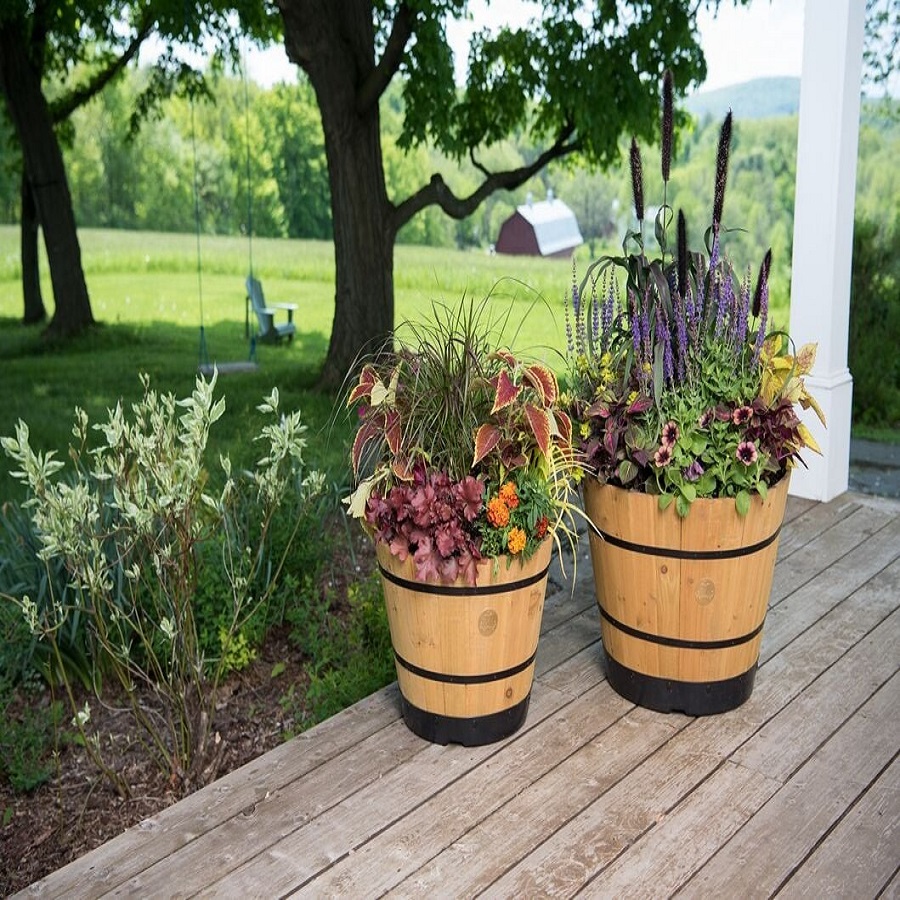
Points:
[31,273]
[336,52]
[21,86]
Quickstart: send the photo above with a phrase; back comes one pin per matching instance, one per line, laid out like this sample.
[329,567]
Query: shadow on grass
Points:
[42,383]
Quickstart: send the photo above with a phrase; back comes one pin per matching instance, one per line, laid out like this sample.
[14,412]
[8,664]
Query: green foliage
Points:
[875,325]
[127,527]
[27,738]
[346,662]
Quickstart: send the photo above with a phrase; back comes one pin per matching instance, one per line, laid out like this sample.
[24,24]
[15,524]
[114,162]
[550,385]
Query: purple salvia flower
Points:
[725,306]
[646,334]
[607,313]
[740,336]
[636,328]
[664,337]
[681,336]
[595,315]
[570,343]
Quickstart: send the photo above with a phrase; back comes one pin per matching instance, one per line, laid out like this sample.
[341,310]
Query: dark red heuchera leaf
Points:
[486,439]
[506,391]
[539,420]
[543,380]
[367,379]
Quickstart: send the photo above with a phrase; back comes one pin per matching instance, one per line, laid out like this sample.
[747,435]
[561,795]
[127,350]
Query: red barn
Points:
[546,228]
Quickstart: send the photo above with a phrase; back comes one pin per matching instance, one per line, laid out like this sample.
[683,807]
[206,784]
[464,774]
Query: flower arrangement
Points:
[678,389]
[461,452]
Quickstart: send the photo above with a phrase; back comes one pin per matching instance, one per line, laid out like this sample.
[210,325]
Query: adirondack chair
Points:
[269,330]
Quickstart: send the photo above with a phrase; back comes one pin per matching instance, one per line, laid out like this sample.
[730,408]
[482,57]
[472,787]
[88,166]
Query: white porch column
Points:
[823,229]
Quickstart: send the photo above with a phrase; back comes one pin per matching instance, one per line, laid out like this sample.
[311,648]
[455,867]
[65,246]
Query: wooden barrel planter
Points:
[465,655]
[682,601]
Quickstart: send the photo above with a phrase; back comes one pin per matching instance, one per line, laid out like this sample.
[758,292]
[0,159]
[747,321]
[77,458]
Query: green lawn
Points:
[146,293]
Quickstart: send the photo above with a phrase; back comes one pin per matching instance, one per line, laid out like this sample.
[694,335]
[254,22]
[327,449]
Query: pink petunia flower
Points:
[663,456]
[669,434]
[746,453]
[742,415]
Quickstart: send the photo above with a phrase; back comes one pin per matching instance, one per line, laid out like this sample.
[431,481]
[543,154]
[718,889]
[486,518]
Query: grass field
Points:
[146,292]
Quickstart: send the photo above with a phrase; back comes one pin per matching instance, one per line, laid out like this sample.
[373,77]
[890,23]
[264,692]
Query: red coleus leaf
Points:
[600,408]
[486,439]
[367,379]
[543,380]
[402,467]
[366,432]
[506,391]
[539,420]
[639,405]
[564,426]
[506,356]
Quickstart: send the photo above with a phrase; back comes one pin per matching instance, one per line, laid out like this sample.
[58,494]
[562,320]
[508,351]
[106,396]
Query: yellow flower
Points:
[632,397]
[584,429]
[516,540]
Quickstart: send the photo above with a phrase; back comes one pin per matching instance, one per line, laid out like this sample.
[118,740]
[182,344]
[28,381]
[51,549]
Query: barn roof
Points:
[554,224]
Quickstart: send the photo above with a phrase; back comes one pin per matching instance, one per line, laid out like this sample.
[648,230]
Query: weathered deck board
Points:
[796,791]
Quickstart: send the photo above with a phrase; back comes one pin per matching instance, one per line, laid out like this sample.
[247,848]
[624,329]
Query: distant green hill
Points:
[761,98]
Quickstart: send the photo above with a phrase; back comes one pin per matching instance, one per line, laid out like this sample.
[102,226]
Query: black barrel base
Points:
[470,732]
[688,697]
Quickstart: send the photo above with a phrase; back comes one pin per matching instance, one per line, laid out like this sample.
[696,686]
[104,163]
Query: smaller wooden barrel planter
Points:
[682,601]
[465,655]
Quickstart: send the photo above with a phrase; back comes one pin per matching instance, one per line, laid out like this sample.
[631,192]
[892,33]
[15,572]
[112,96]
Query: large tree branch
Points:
[437,191]
[64,106]
[381,76]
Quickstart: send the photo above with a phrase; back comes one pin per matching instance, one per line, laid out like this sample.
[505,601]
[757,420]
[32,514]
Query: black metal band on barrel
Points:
[447,678]
[685,554]
[681,643]
[452,590]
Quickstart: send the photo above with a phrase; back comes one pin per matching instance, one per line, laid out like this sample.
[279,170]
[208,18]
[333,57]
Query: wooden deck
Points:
[796,793]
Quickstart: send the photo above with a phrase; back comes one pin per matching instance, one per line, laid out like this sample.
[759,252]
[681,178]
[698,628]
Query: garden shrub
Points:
[875,325]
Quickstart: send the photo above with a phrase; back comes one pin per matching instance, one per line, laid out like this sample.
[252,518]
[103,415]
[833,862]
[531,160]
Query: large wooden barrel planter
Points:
[682,601]
[465,655]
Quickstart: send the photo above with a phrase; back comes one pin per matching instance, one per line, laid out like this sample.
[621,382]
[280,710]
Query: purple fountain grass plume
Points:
[761,305]
[763,278]
[682,252]
[667,125]
[637,180]
[721,171]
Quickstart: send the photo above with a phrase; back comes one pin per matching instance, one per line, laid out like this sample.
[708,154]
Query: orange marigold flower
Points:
[541,528]
[516,540]
[497,513]
[508,495]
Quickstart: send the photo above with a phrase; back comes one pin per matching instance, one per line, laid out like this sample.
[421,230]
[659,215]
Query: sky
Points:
[764,39]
